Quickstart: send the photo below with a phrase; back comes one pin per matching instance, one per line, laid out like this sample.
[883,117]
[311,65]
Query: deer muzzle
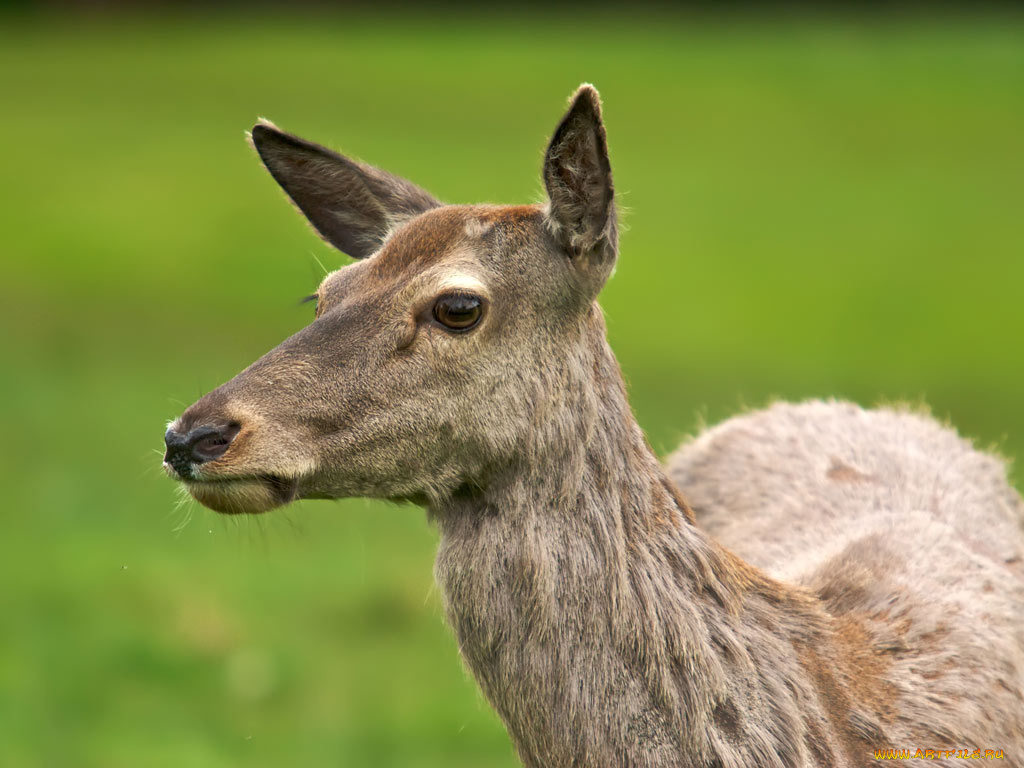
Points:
[189,454]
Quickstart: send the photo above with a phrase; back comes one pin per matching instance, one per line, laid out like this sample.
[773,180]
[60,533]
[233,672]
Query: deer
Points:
[835,581]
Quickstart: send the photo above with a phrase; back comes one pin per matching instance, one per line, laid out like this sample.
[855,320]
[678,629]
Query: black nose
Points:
[199,445]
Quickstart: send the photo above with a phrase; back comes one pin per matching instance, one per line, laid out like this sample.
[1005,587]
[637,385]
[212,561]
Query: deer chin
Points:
[244,496]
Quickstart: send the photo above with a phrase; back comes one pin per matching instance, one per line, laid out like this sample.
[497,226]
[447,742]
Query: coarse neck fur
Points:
[606,628]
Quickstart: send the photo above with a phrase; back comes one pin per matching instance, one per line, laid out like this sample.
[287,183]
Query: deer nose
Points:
[199,445]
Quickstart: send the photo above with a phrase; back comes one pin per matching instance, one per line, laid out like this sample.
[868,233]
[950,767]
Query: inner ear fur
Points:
[351,205]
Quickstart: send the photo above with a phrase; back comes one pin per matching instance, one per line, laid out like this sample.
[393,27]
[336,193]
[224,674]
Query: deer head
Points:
[420,373]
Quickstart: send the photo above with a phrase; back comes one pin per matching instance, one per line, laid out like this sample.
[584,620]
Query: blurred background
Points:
[818,205]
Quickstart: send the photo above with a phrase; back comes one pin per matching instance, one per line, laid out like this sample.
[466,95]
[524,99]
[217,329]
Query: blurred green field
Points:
[815,208]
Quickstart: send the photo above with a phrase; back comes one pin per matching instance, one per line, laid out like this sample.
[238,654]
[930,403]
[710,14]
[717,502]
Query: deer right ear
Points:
[578,179]
[351,205]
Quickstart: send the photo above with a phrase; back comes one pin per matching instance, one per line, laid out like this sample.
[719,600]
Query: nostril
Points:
[198,446]
[209,448]
[209,443]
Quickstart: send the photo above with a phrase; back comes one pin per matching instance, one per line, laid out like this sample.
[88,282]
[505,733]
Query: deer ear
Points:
[578,178]
[351,205]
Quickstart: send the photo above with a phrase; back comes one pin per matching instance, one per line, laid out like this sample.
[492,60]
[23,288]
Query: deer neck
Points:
[602,624]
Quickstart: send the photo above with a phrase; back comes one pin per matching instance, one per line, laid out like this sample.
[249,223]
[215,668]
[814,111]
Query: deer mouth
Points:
[244,495]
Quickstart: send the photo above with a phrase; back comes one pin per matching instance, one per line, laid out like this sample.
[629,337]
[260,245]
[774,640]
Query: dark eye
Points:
[458,312]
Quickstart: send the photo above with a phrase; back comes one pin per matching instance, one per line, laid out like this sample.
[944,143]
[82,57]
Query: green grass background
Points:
[816,207]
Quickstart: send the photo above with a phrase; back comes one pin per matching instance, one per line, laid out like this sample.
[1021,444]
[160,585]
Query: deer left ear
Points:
[351,205]
[578,178]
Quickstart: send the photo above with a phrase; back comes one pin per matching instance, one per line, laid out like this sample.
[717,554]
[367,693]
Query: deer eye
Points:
[458,311]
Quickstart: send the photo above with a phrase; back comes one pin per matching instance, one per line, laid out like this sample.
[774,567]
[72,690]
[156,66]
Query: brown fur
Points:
[845,581]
